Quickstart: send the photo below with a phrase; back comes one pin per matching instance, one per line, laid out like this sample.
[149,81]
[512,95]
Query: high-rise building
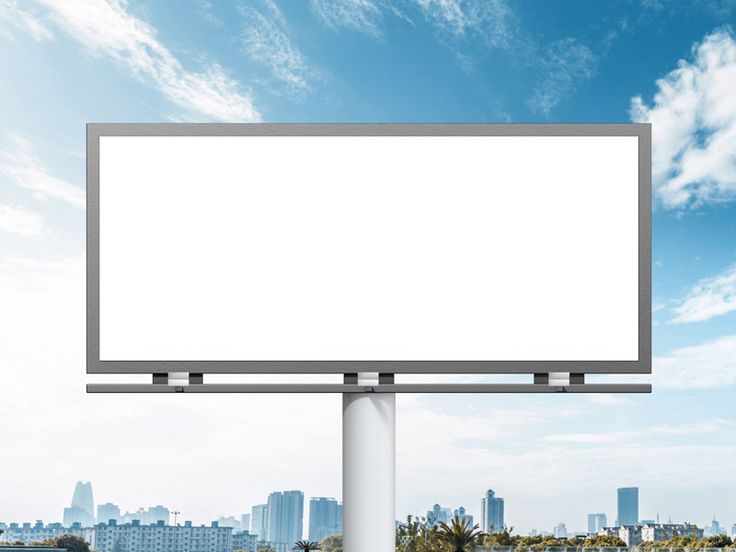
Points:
[77,516]
[83,497]
[285,516]
[733,530]
[325,518]
[491,513]
[245,522]
[157,514]
[596,522]
[82,510]
[714,529]
[560,531]
[628,506]
[107,512]
[437,515]
[462,516]
[259,521]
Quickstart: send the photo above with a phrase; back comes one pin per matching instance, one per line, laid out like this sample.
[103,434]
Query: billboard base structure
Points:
[369,470]
[369,433]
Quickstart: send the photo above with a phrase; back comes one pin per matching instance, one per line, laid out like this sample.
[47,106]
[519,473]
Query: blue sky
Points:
[64,63]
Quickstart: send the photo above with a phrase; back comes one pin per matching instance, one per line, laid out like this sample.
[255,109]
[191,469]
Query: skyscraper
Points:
[491,513]
[560,531]
[462,516]
[285,516]
[82,510]
[245,522]
[628,506]
[83,497]
[437,515]
[259,520]
[325,518]
[596,522]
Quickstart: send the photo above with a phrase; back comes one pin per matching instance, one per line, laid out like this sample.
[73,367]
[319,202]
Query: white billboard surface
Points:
[401,248]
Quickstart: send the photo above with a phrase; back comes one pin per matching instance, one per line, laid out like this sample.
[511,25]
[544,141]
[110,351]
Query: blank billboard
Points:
[453,248]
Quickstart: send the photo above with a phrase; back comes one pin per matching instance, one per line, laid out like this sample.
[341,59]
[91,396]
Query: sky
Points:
[672,63]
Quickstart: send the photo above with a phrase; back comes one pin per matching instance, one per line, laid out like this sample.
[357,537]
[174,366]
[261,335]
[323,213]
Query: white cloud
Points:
[22,167]
[710,297]
[19,220]
[15,14]
[491,20]
[611,437]
[364,16]
[266,40]
[565,64]
[106,29]
[705,366]
[693,117]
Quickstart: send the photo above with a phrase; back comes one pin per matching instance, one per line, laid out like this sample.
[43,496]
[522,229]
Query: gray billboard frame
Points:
[96,366]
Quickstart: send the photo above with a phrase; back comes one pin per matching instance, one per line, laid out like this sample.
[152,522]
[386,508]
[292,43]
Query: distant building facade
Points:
[285,516]
[560,531]
[596,522]
[652,532]
[491,513]
[134,537]
[143,516]
[83,498]
[460,514]
[107,512]
[325,518]
[437,515]
[27,532]
[627,506]
[259,520]
[244,540]
[245,522]
[229,521]
[630,534]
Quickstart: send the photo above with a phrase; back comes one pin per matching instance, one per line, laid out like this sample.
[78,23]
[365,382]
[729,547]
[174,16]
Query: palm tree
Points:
[306,546]
[459,534]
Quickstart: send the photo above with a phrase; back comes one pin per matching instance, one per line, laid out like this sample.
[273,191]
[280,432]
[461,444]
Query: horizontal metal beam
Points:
[381,388]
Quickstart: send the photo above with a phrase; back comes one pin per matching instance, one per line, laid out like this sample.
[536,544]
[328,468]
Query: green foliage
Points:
[604,540]
[69,542]
[333,543]
[264,548]
[504,538]
[717,541]
[306,546]
[459,535]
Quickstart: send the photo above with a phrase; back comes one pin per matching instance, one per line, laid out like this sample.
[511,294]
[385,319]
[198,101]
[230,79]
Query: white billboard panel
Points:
[413,249]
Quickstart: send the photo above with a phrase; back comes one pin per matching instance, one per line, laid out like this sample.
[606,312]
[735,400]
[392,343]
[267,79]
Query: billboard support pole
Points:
[369,467]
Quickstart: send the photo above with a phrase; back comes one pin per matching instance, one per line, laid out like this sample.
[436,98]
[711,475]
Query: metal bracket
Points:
[385,384]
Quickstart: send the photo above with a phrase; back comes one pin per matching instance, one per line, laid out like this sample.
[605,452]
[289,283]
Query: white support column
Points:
[369,471]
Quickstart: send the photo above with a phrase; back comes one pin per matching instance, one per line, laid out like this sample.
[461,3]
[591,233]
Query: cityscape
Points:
[279,522]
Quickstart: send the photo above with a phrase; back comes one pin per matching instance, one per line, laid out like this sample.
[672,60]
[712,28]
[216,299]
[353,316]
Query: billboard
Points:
[255,248]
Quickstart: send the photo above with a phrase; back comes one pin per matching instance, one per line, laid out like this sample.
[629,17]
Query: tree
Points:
[716,541]
[333,543]
[306,546]
[70,543]
[504,538]
[604,540]
[459,534]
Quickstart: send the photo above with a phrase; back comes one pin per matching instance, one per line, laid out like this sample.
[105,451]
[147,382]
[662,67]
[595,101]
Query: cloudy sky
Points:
[64,63]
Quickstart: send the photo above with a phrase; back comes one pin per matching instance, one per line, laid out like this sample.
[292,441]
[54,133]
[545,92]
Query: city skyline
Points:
[552,458]
[291,515]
